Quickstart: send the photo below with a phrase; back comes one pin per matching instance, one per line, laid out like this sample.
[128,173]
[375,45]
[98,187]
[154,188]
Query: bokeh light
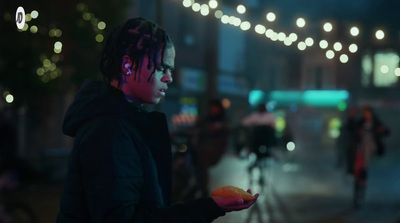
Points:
[309,41]
[237,21]
[269,33]
[281,36]
[337,46]
[301,46]
[99,38]
[397,72]
[187,3]
[226,103]
[384,69]
[9,98]
[218,14]
[293,37]
[213,4]
[330,54]
[328,27]
[241,9]
[40,71]
[26,26]
[57,45]
[379,34]
[323,44]
[57,33]
[353,48]
[34,14]
[280,122]
[344,58]
[46,63]
[274,36]
[270,16]
[342,106]
[301,22]
[28,17]
[260,29]
[33,29]
[86,16]
[245,25]
[204,10]
[81,6]
[290,146]
[354,31]
[196,7]
[232,20]
[225,19]
[101,25]
[287,41]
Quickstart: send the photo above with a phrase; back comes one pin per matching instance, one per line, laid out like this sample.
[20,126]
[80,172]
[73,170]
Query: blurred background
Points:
[308,61]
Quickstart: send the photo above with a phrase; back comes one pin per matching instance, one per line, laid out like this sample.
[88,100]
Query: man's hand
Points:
[234,204]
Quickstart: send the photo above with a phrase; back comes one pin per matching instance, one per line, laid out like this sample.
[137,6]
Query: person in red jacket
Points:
[370,133]
[119,169]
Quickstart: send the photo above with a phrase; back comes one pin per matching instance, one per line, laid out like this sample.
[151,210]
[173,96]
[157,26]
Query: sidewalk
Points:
[309,189]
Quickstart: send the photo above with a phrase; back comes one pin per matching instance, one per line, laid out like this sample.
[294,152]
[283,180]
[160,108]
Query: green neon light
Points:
[323,98]
[342,106]
[286,97]
[256,97]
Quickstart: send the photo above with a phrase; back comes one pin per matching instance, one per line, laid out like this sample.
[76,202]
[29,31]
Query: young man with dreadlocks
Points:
[120,166]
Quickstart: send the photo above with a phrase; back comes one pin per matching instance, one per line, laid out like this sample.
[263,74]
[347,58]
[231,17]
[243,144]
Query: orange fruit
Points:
[232,191]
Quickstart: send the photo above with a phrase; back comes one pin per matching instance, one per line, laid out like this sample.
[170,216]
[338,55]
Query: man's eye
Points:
[164,69]
[160,69]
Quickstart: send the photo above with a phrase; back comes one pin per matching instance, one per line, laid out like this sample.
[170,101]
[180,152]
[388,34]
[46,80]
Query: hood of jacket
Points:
[95,98]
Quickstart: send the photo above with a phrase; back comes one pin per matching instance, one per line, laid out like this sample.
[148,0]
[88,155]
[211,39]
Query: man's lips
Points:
[163,91]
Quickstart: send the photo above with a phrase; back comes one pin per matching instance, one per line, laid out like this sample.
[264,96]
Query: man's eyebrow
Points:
[167,66]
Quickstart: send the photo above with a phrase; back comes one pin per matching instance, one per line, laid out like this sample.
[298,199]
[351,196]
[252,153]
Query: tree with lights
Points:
[60,43]
[57,49]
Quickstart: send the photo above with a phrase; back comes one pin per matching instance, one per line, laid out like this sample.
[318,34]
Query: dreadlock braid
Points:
[136,38]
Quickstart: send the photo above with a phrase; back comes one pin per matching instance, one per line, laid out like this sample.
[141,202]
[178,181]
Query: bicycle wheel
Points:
[20,213]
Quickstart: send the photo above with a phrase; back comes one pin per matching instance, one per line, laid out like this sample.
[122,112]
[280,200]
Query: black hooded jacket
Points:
[119,169]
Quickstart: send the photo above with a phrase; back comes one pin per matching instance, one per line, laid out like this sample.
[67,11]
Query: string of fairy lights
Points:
[49,70]
[340,50]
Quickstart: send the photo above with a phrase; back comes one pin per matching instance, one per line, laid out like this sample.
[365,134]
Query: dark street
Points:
[301,187]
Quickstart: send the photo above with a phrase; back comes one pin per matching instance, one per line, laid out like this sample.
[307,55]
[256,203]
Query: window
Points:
[379,69]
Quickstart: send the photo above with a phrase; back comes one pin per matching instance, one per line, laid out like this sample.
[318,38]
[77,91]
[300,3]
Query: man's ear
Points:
[126,65]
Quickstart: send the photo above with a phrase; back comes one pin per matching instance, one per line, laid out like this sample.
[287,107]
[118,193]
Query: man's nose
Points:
[167,78]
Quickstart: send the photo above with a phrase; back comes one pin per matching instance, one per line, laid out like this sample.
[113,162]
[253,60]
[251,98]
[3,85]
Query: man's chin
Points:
[155,101]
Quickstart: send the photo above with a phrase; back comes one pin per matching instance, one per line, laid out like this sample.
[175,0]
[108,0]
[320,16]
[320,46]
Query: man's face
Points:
[150,92]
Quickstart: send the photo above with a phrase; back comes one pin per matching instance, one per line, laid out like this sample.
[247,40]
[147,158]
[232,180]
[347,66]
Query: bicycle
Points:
[13,211]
